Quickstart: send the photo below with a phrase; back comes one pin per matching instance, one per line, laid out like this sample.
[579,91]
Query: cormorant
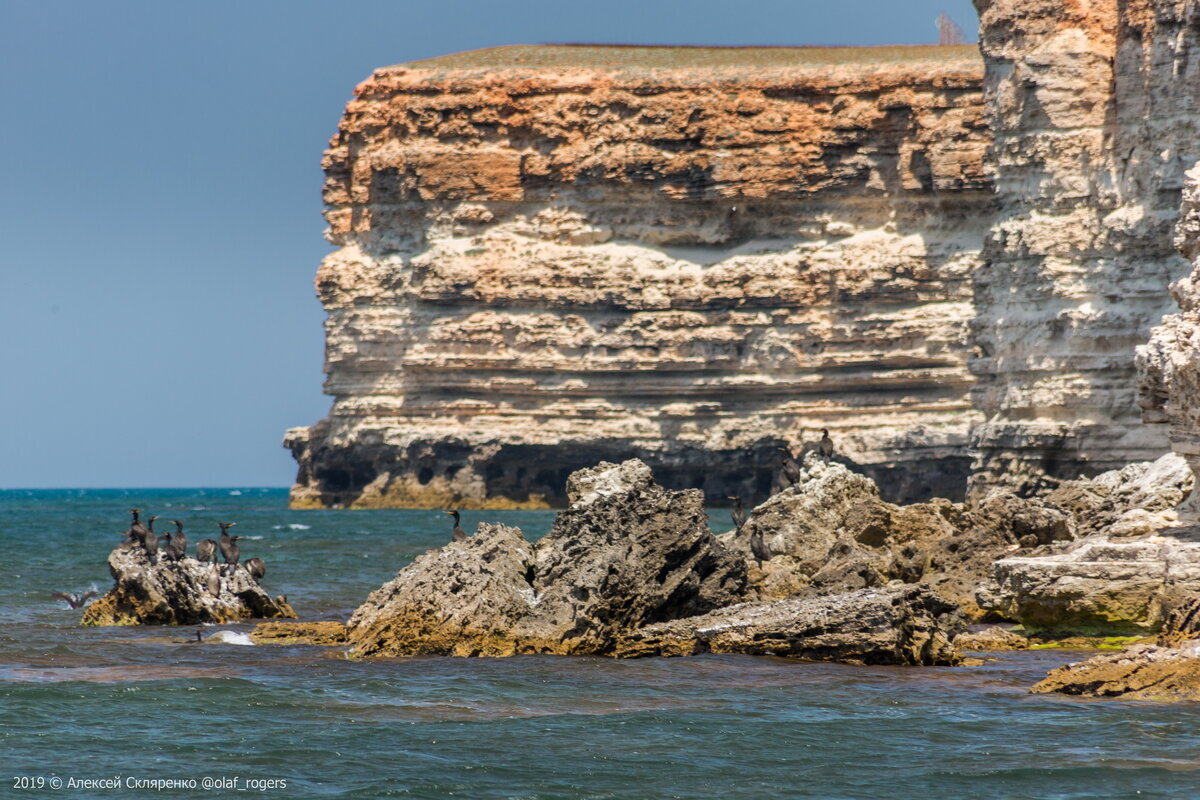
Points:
[136,529]
[206,550]
[759,548]
[179,541]
[225,543]
[149,541]
[213,581]
[738,514]
[458,534]
[825,446]
[256,567]
[76,599]
[791,470]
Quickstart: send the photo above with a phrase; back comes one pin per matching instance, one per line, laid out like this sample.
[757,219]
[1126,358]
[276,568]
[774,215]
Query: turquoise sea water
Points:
[137,705]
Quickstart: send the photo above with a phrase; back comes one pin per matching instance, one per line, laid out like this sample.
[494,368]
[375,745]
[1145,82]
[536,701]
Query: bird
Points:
[825,446]
[738,514]
[791,470]
[229,550]
[127,540]
[76,599]
[136,529]
[256,567]
[164,544]
[458,534]
[149,541]
[758,547]
[213,580]
[206,550]
[179,541]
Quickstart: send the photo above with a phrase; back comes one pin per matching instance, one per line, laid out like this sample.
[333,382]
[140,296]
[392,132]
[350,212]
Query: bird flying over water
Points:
[76,599]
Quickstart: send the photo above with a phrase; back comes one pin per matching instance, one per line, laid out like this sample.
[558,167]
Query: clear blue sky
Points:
[160,207]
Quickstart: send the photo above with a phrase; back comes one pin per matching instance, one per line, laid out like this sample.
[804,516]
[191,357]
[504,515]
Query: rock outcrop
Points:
[626,553]
[896,625]
[1095,110]
[831,533]
[1124,575]
[165,592]
[552,256]
[1169,364]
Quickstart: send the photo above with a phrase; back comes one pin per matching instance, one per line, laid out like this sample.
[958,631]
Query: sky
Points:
[160,212]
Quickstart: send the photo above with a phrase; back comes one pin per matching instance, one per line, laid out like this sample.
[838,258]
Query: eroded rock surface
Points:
[625,554]
[1142,672]
[688,255]
[893,625]
[177,593]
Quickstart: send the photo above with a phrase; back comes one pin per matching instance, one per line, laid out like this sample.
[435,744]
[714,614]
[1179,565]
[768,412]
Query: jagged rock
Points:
[176,593]
[326,634]
[1097,586]
[831,533]
[1142,672]
[1181,624]
[993,638]
[894,625]
[1136,500]
[624,554]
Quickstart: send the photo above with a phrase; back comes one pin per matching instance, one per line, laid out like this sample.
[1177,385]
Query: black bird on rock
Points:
[150,541]
[136,529]
[825,446]
[256,567]
[758,548]
[738,514]
[791,470]
[179,542]
[76,599]
[458,534]
[206,550]
[228,544]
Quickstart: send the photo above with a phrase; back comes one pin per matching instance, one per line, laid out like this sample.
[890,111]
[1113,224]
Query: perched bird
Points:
[179,542]
[758,547]
[458,534]
[791,470]
[229,550]
[150,541]
[256,567]
[212,581]
[206,550]
[738,514]
[136,529]
[164,544]
[76,599]
[825,446]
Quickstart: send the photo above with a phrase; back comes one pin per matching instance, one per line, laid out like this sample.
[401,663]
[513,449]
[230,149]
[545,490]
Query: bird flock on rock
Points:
[790,473]
[173,546]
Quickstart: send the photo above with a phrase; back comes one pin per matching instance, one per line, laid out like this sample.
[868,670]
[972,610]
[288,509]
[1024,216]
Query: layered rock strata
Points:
[907,625]
[552,256]
[1169,364]
[183,592]
[1094,108]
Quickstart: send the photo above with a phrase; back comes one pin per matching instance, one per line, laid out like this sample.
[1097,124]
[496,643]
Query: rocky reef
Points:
[553,256]
[1095,115]
[161,591]
[631,569]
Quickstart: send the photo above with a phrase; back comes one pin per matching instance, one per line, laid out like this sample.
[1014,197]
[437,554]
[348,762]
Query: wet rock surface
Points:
[896,625]
[1142,672]
[326,634]
[625,554]
[166,592]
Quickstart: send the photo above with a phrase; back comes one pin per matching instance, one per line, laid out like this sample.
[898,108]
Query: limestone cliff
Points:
[551,256]
[1093,104]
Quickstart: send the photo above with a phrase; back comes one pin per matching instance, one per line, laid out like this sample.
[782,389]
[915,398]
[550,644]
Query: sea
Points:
[146,712]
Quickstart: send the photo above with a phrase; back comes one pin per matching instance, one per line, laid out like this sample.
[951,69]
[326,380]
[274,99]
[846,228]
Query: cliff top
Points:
[683,57]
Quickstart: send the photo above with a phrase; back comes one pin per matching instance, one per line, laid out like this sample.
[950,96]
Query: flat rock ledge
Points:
[324,634]
[1142,672]
[177,593]
[908,625]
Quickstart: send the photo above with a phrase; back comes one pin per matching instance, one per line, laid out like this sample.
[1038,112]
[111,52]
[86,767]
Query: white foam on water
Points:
[231,637]
[235,493]
[296,526]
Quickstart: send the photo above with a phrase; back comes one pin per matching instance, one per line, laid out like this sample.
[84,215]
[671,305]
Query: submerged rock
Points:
[326,634]
[625,553]
[178,593]
[894,625]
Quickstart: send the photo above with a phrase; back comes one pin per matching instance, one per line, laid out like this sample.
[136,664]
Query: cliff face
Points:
[1094,108]
[553,256]
[1169,363]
